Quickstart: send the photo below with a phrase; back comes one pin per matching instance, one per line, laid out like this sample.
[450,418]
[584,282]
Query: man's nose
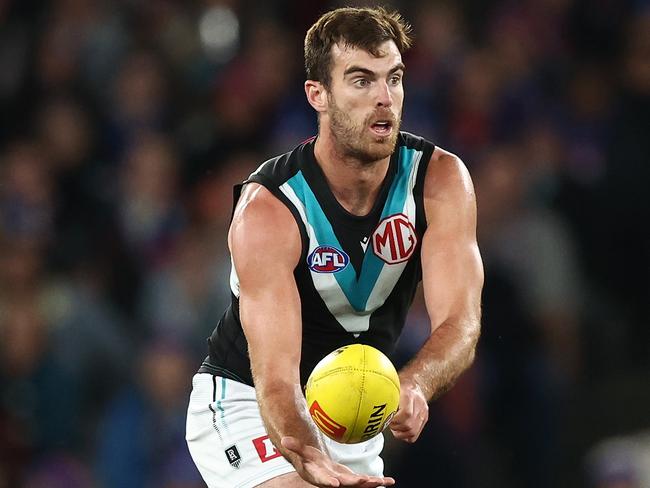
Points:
[384,96]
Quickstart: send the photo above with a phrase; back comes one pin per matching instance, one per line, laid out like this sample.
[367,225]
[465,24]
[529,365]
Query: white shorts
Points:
[231,449]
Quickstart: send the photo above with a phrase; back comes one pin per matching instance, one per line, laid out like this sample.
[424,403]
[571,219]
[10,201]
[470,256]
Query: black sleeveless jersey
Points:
[357,274]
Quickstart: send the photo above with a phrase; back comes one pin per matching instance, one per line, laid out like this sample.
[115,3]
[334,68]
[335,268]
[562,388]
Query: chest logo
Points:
[327,259]
[394,239]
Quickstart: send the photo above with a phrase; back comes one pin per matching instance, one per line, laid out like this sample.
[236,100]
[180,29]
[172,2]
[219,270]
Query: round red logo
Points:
[394,239]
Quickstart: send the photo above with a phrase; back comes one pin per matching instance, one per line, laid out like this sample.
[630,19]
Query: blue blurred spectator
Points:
[39,402]
[140,442]
[530,349]
[149,212]
[140,102]
[27,206]
[182,298]
[59,471]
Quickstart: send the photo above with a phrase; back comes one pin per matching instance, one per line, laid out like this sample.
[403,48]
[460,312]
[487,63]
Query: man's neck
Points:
[354,183]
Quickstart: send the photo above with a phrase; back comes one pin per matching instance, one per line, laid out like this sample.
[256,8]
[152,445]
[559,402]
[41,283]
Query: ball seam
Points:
[362,392]
[345,369]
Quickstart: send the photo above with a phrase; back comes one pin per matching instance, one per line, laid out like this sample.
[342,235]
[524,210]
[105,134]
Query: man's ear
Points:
[316,95]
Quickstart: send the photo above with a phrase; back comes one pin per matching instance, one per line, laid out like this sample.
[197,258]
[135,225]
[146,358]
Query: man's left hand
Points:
[412,414]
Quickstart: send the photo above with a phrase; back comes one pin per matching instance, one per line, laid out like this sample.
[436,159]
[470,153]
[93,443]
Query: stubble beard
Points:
[356,141]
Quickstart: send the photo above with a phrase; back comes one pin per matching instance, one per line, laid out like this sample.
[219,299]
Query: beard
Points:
[356,140]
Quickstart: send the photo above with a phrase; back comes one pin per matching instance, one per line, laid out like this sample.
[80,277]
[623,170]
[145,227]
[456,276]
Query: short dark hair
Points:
[362,28]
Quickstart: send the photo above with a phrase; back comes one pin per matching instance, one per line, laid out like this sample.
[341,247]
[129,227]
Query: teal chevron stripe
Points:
[325,237]
[399,189]
[372,265]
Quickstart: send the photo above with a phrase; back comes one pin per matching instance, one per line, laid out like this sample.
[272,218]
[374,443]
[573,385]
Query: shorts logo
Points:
[233,456]
[394,239]
[265,448]
[327,259]
[325,422]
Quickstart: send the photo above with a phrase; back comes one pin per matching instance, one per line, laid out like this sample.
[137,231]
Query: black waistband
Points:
[206,367]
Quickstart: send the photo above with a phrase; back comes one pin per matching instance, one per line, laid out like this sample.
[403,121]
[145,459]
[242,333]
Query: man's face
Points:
[365,101]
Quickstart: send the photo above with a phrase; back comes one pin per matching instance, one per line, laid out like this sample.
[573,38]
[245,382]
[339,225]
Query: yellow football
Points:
[353,393]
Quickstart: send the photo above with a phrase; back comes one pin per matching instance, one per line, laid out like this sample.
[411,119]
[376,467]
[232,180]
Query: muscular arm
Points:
[265,245]
[452,278]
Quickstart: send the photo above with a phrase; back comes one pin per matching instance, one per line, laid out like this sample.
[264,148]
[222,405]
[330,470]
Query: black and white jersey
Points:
[357,274]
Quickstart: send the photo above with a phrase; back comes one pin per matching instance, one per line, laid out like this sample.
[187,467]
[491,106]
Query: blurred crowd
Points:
[124,126]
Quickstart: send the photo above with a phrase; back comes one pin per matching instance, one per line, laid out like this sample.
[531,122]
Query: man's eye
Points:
[396,80]
[362,82]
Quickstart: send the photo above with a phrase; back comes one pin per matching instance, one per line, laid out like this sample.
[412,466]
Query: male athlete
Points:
[328,244]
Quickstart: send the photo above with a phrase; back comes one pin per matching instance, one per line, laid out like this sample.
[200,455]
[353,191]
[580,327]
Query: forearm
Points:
[284,412]
[444,356]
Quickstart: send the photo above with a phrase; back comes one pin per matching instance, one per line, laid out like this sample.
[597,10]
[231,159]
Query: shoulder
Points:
[255,198]
[449,198]
[262,224]
[445,171]
[259,208]
[447,175]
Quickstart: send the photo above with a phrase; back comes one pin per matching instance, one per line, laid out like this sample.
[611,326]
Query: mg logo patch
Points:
[233,456]
[394,239]
[327,259]
[265,448]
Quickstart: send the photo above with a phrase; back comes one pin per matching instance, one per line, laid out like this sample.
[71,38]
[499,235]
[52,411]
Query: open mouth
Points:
[382,128]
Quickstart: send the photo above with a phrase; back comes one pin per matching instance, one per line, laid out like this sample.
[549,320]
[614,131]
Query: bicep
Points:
[452,269]
[452,276]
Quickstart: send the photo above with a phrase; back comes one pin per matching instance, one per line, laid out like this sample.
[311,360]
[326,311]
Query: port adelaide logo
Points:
[327,259]
[233,456]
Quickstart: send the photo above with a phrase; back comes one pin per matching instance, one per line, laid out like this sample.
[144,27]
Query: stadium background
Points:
[124,125]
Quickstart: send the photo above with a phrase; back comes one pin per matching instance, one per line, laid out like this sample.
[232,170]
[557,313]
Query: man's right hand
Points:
[318,469]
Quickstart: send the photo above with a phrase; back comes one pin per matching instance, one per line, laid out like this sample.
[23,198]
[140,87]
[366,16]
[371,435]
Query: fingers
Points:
[409,422]
[352,479]
[410,437]
[409,431]
[323,472]
[349,478]
[370,482]
[413,423]
[374,482]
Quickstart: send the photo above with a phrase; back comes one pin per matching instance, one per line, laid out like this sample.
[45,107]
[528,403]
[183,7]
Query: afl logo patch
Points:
[394,239]
[327,259]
